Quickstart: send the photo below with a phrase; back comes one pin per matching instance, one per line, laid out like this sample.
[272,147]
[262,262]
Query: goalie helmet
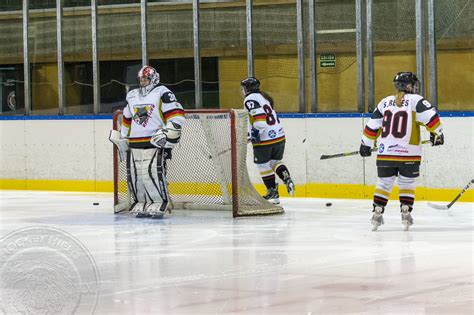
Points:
[250,85]
[406,82]
[148,78]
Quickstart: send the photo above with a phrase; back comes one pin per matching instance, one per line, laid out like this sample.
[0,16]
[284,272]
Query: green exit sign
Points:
[327,60]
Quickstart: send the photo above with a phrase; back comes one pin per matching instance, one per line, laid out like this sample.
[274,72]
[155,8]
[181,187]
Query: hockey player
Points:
[152,123]
[396,123]
[267,137]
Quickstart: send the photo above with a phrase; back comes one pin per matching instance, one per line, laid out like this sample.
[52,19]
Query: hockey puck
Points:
[95,204]
[328,204]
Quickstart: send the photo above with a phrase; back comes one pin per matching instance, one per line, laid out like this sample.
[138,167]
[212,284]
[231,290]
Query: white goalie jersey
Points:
[263,117]
[144,115]
[398,129]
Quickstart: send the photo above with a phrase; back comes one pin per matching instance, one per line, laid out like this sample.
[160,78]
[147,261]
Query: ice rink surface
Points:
[311,260]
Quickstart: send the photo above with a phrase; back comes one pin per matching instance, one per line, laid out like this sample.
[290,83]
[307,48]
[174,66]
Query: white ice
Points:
[312,259]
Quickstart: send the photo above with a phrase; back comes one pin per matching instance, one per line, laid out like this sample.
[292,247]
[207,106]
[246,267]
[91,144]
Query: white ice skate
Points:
[139,210]
[377,218]
[156,210]
[407,219]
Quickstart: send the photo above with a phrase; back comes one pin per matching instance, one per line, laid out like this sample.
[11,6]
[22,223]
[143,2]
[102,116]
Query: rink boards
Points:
[73,153]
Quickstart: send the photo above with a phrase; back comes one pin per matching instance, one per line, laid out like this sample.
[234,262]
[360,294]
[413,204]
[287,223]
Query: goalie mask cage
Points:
[208,169]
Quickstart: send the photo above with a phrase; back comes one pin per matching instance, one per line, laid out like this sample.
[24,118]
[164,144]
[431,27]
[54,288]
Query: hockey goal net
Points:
[208,169]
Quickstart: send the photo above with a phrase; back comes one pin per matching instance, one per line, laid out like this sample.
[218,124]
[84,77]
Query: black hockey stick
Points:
[325,157]
[446,207]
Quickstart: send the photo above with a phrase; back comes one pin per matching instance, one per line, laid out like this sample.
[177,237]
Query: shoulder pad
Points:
[252,104]
[423,105]
[132,93]
[168,97]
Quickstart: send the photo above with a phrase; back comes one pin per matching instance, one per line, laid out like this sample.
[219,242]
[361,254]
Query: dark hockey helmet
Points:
[250,85]
[406,82]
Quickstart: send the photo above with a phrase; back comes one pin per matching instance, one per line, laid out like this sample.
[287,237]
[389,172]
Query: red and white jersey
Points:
[398,129]
[143,116]
[263,117]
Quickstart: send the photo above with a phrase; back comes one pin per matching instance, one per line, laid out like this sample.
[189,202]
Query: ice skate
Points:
[272,195]
[407,219]
[139,210]
[290,187]
[156,210]
[377,217]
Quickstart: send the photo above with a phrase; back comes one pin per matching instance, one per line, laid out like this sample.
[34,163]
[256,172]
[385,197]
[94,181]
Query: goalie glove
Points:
[436,139]
[167,137]
[159,139]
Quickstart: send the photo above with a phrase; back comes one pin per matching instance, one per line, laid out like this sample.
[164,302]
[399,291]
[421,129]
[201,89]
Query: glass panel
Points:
[223,34]
[170,49]
[10,5]
[455,53]
[119,42]
[11,65]
[394,36]
[275,50]
[336,56]
[43,58]
[77,45]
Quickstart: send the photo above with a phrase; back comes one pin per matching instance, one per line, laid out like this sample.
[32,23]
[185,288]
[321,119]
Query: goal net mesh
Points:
[208,169]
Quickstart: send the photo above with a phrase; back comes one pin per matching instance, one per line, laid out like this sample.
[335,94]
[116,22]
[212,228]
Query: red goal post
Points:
[208,169]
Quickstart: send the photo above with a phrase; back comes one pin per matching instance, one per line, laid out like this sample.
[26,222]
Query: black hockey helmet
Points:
[402,81]
[250,84]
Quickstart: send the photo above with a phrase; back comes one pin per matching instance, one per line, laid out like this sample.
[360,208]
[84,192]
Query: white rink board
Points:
[80,150]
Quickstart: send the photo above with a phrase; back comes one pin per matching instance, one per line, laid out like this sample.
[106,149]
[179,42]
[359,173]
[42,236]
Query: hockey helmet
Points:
[148,78]
[250,85]
[406,82]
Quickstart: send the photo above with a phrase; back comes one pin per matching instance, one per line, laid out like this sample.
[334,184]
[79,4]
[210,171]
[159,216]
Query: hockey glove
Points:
[436,139]
[255,135]
[159,139]
[365,150]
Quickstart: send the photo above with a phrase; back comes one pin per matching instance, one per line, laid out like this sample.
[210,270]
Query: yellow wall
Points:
[44,91]
[337,90]
[277,74]
[456,80]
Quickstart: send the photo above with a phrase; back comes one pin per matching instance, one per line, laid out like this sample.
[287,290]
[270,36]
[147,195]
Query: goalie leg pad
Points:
[158,176]
[143,174]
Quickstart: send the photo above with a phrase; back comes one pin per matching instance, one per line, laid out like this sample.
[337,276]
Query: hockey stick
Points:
[325,157]
[446,207]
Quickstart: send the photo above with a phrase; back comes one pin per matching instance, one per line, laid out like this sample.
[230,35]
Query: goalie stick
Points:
[325,157]
[446,207]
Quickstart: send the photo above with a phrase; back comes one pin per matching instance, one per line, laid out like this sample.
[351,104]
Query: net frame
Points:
[244,199]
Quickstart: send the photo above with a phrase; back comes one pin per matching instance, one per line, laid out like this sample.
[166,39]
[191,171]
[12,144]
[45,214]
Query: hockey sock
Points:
[282,172]
[269,181]
[407,190]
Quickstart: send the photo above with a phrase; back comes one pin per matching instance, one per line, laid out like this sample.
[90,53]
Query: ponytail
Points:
[399,98]
[268,97]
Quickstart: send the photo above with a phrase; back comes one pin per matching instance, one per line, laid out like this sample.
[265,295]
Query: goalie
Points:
[151,126]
